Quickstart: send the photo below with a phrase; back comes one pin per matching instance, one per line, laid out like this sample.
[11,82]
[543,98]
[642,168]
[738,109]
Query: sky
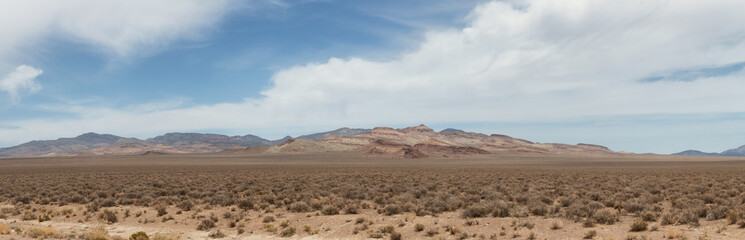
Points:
[638,76]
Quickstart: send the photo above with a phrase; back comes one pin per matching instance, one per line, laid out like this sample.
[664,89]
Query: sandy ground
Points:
[343,226]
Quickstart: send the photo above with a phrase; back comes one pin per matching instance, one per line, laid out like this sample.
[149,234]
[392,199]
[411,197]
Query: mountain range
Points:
[107,144]
[735,152]
[422,142]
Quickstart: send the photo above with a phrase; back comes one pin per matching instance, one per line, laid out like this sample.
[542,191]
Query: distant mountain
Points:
[185,139]
[410,142]
[422,142]
[736,152]
[106,144]
[341,132]
[279,141]
[83,142]
[695,153]
[451,130]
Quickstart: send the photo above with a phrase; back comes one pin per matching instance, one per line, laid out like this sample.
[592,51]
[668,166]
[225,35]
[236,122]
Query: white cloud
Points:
[119,27]
[20,81]
[539,60]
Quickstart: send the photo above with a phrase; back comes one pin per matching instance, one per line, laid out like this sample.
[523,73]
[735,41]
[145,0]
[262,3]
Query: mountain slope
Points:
[184,139]
[62,145]
[421,141]
[410,142]
[105,144]
[695,153]
[735,152]
[341,132]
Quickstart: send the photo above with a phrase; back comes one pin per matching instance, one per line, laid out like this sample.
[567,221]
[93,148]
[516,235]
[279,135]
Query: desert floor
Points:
[369,220]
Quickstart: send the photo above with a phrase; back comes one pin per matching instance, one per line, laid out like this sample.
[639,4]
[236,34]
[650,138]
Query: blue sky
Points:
[638,77]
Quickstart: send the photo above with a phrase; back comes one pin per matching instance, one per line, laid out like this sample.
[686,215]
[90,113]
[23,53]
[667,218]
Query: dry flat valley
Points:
[383,183]
[355,196]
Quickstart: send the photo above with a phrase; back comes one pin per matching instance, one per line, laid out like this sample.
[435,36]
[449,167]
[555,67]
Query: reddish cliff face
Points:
[421,141]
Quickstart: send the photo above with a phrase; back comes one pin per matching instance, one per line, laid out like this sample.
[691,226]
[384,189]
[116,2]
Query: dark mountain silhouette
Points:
[695,153]
[451,130]
[736,152]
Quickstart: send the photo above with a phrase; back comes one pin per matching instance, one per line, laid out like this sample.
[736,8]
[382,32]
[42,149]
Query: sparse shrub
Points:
[667,219]
[605,216]
[501,209]
[139,236]
[316,204]
[44,218]
[654,227]
[245,204]
[588,223]
[161,209]
[268,219]
[638,226]
[733,216]
[40,232]
[217,234]
[28,216]
[97,234]
[165,237]
[527,224]
[392,209]
[531,236]
[537,208]
[649,216]
[590,234]
[679,217]
[287,232]
[555,225]
[475,212]
[309,230]
[300,207]
[387,229]
[634,207]
[376,235]
[432,232]
[351,209]
[330,210]
[565,201]
[270,228]
[205,225]
[108,216]
[418,227]
[185,205]
[395,236]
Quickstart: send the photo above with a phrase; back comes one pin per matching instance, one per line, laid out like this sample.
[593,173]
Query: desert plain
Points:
[346,195]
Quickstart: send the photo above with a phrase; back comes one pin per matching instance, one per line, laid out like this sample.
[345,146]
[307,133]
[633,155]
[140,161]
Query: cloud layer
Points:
[118,29]
[536,60]
[21,81]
